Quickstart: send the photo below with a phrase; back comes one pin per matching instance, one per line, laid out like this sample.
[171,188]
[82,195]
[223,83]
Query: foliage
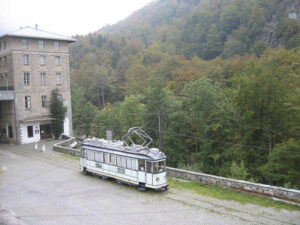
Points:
[283,164]
[58,111]
[239,171]
[222,77]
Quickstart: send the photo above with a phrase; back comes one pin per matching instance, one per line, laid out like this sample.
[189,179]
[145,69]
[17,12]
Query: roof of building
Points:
[31,32]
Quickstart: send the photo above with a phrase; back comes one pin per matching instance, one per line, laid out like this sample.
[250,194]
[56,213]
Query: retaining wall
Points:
[263,189]
[240,185]
[64,147]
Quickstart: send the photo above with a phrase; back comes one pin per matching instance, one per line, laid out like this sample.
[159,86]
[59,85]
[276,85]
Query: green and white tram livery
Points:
[133,164]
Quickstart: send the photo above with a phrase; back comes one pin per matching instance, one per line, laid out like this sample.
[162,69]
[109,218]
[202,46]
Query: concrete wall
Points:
[24,134]
[262,189]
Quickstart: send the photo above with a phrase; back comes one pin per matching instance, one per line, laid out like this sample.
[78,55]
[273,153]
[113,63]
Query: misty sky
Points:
[66,17]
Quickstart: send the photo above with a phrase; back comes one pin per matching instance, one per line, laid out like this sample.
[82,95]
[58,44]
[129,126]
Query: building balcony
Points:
[6,93]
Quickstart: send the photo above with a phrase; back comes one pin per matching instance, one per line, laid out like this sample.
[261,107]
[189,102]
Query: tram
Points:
[126,162]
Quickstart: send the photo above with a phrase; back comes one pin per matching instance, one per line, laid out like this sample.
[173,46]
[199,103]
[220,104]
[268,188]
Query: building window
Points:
[57,61]
[56,45]
[41,44]
[27,102]
[59,97]
[4,45]
[42,60]
[5,60]
[26,59]
[43,78]
[44,101]
[58,78]
[24,43]
[26,79]
[30,131]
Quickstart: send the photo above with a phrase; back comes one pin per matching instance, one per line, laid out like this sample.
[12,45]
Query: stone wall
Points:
[65,147]
[240,185]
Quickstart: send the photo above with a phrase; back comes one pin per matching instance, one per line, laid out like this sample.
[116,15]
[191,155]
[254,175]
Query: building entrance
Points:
[46,131]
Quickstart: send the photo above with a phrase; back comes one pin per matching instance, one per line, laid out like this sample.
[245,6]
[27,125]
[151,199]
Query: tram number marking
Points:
[120,170]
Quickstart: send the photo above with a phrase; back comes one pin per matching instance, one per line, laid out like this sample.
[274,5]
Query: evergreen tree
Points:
[58,111]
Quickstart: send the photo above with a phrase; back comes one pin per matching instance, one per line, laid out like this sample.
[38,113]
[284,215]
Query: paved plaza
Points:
[45,188]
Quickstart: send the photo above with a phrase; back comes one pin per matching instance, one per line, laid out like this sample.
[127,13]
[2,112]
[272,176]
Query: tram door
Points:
[141,173]
[149,172]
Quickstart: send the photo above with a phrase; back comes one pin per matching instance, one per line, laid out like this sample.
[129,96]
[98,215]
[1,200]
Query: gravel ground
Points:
[48,188]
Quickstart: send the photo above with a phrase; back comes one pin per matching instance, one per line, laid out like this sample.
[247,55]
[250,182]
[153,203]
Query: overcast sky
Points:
[66,17]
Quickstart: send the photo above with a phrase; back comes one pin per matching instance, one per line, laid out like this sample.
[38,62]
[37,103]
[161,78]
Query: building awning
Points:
[41,119]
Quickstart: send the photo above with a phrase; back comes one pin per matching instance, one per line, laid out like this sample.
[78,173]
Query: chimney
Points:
[36,27]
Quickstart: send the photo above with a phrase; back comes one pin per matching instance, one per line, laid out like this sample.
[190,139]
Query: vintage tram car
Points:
[136,165]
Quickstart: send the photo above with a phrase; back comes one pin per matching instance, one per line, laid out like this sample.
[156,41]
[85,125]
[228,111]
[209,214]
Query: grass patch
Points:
[66,156]
[227,194]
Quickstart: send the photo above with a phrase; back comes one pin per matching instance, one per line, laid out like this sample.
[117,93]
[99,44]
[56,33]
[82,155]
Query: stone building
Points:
[32,63]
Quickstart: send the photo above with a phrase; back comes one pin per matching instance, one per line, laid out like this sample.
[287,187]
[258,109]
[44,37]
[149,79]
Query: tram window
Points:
[90,155]
[119,162]
[162,166]
[112,159]
[133,164]
[155,167]
[141,164]
[99,156]
[149,167]
[128,163]
[106,158]
[123,161]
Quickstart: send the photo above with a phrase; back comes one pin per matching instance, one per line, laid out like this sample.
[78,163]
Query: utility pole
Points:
[159,131]
[102,91]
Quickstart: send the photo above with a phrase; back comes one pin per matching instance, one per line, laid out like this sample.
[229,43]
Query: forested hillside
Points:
[222,76]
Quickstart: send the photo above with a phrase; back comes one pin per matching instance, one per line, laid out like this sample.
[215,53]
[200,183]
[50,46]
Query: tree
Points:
[136,77]
[107,118]
[209,112]
[58,111]
[266,101]
[282,167]
[77,96]
[87,115]
[239,172]
[131,112]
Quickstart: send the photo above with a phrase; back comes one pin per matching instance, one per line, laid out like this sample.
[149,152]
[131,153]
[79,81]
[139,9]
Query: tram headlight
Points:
[157,179]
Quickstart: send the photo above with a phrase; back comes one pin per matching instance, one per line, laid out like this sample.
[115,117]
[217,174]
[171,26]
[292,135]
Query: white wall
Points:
[67,126]
[24,135]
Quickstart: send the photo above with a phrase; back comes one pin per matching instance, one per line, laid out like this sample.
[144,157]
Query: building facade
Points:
[32,63]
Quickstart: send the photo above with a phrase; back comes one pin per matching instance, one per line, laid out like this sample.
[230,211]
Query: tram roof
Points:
[118,147]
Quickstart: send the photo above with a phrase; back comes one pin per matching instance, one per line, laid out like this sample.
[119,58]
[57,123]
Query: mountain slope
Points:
[209,28]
